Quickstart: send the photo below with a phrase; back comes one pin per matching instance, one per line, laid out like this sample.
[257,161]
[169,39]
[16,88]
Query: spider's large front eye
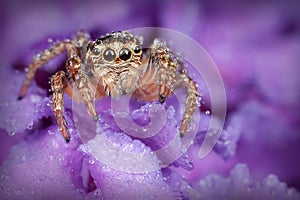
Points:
[109,55]
[125,54]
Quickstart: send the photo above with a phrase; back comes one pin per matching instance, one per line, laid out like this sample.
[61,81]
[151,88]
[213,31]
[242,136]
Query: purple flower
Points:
[254,45]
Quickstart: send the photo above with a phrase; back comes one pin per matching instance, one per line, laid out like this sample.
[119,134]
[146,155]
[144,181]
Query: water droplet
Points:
[54,144]
[61,159]
[91,161]
[26,69]
[229,128]
[11,133]
[227,143]
[97,192]
[207,112]
[129,182]
[50,40]
[140,178]
[50,132]
[50,157]
[271,180]
[43,178]
[23,158]
[30,125]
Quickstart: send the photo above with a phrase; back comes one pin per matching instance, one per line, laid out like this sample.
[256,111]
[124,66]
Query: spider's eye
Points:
[137,49]
[109,55]
[96,51]
[124,54]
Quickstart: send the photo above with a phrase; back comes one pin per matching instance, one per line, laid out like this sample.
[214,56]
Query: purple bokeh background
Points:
[254,44]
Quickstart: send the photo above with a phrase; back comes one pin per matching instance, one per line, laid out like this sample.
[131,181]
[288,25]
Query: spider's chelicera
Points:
[113,65]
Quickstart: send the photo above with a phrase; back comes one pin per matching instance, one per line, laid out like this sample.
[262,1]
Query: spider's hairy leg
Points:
[74,66]
[162,89]
[167,75]
[129,80]
[58,85]
[166,68]
[39,61]
[183,80]
[81,40]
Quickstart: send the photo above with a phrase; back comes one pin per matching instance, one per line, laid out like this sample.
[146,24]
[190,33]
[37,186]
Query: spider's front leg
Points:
[56,49]
[38,62]
[166,67]
[171,77]
[183,80]
[58,85]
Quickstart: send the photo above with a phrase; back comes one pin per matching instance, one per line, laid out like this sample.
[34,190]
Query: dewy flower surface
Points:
[255,47]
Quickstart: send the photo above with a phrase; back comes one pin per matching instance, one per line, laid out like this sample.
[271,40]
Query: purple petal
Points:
[42,167]
[124,168]
[162,135]
[240,184]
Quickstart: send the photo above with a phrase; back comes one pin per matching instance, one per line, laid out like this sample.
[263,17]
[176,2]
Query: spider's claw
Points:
[22,92]
[162,98]
[181,135]
[67,139]
[96,117]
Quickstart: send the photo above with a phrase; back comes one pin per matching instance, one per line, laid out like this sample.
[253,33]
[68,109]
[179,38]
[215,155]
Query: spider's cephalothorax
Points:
[114,62]
[113,65]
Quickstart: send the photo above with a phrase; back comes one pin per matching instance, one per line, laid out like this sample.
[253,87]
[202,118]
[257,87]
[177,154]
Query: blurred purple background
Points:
[256,46]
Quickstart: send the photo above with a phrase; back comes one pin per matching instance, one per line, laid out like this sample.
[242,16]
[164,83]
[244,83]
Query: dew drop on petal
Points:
[30,125]
[11,133]
[43,178]
[97,192]
[207,112]
[91,161]
[271,180]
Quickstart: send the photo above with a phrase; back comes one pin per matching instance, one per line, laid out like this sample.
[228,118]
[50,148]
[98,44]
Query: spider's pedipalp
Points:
[80,79]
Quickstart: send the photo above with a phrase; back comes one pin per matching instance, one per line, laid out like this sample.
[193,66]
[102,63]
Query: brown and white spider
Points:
[113,65]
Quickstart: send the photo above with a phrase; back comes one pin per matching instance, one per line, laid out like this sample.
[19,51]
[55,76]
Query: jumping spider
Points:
[113,65]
